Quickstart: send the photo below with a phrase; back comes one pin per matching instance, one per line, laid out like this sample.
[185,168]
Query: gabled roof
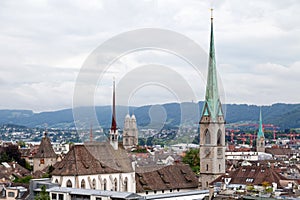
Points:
[252,175]
[279,151]
[79,161]
[166,178]
[45,149]
[106,154]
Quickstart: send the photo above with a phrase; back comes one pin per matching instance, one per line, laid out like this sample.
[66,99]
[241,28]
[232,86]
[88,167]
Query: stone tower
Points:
[45,155]
[260,140]
[212,126]
[130,132]
[113,133]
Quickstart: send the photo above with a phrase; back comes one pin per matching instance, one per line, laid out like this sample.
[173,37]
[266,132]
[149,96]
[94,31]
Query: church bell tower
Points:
[212,126]
[113,133]
[260,140]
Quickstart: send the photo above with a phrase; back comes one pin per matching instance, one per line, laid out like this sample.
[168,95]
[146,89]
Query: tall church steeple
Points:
[260,140]
[114,136]
[212,105]
[212,126]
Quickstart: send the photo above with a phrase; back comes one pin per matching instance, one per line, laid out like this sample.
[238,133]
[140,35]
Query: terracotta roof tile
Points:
[45,149]
[79,161]
[254,175]
[106,154]
[166,178]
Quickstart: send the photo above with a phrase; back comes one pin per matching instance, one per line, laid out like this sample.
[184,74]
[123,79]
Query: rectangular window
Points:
[53,196]
[11,194]
[60,197]
[98,198]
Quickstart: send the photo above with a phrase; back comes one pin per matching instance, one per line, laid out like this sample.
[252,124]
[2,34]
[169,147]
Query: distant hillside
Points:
[282,115]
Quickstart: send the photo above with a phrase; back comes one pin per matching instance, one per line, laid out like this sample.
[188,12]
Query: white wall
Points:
[76,182]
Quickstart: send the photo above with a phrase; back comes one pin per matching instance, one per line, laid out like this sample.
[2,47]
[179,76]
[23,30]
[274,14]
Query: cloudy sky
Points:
[44,44]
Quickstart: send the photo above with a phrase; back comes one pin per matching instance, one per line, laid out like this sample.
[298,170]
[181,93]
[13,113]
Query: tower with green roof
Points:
[212,126]
[260,140]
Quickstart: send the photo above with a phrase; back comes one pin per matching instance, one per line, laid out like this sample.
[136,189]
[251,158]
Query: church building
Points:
[97,165]
[130,132]
[45,155]
[212,126]
[260,140]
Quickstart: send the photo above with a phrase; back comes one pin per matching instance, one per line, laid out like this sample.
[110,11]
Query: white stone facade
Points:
[122,182]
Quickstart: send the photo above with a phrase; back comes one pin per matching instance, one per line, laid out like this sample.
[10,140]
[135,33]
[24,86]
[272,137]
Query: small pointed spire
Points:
[113,121]
[260,127]
[91,133]
[46,131]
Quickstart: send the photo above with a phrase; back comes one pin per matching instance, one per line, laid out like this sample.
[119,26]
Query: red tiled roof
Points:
[279,151]
[166,178]
[45,149]
[253,175]
[79,161]
[106,154]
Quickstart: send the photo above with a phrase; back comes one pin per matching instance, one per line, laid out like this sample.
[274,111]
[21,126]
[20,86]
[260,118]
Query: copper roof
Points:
[79,161]
[45,149]
[166,178]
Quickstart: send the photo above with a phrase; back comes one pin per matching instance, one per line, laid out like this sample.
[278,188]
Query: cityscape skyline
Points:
[45,44]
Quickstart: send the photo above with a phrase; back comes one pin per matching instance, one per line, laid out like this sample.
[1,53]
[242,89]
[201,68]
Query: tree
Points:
[192,159]
[43,195]
[25,179]
[21,144]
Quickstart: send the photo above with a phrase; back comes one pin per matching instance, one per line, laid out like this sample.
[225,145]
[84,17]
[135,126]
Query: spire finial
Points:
[211,13]
[114,123]
[46,131]
[91,132]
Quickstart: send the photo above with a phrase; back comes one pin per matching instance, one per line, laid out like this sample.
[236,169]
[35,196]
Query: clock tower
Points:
[212,126]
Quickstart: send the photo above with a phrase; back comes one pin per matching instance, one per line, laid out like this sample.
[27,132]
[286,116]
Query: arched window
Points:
[116,184]
[94,184]
[126,184]
[219,138]
[104,184]
[82,184]
[56,180]
[206,167]
[69,183]
[207,136]
[219,167]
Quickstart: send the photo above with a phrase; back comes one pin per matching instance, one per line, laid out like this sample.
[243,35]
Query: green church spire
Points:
[260,127]
[212,104]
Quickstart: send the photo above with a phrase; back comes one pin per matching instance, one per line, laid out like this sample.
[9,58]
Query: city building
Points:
[260,140]
[130,132]
[97,165]
[45,155]
[212,129]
